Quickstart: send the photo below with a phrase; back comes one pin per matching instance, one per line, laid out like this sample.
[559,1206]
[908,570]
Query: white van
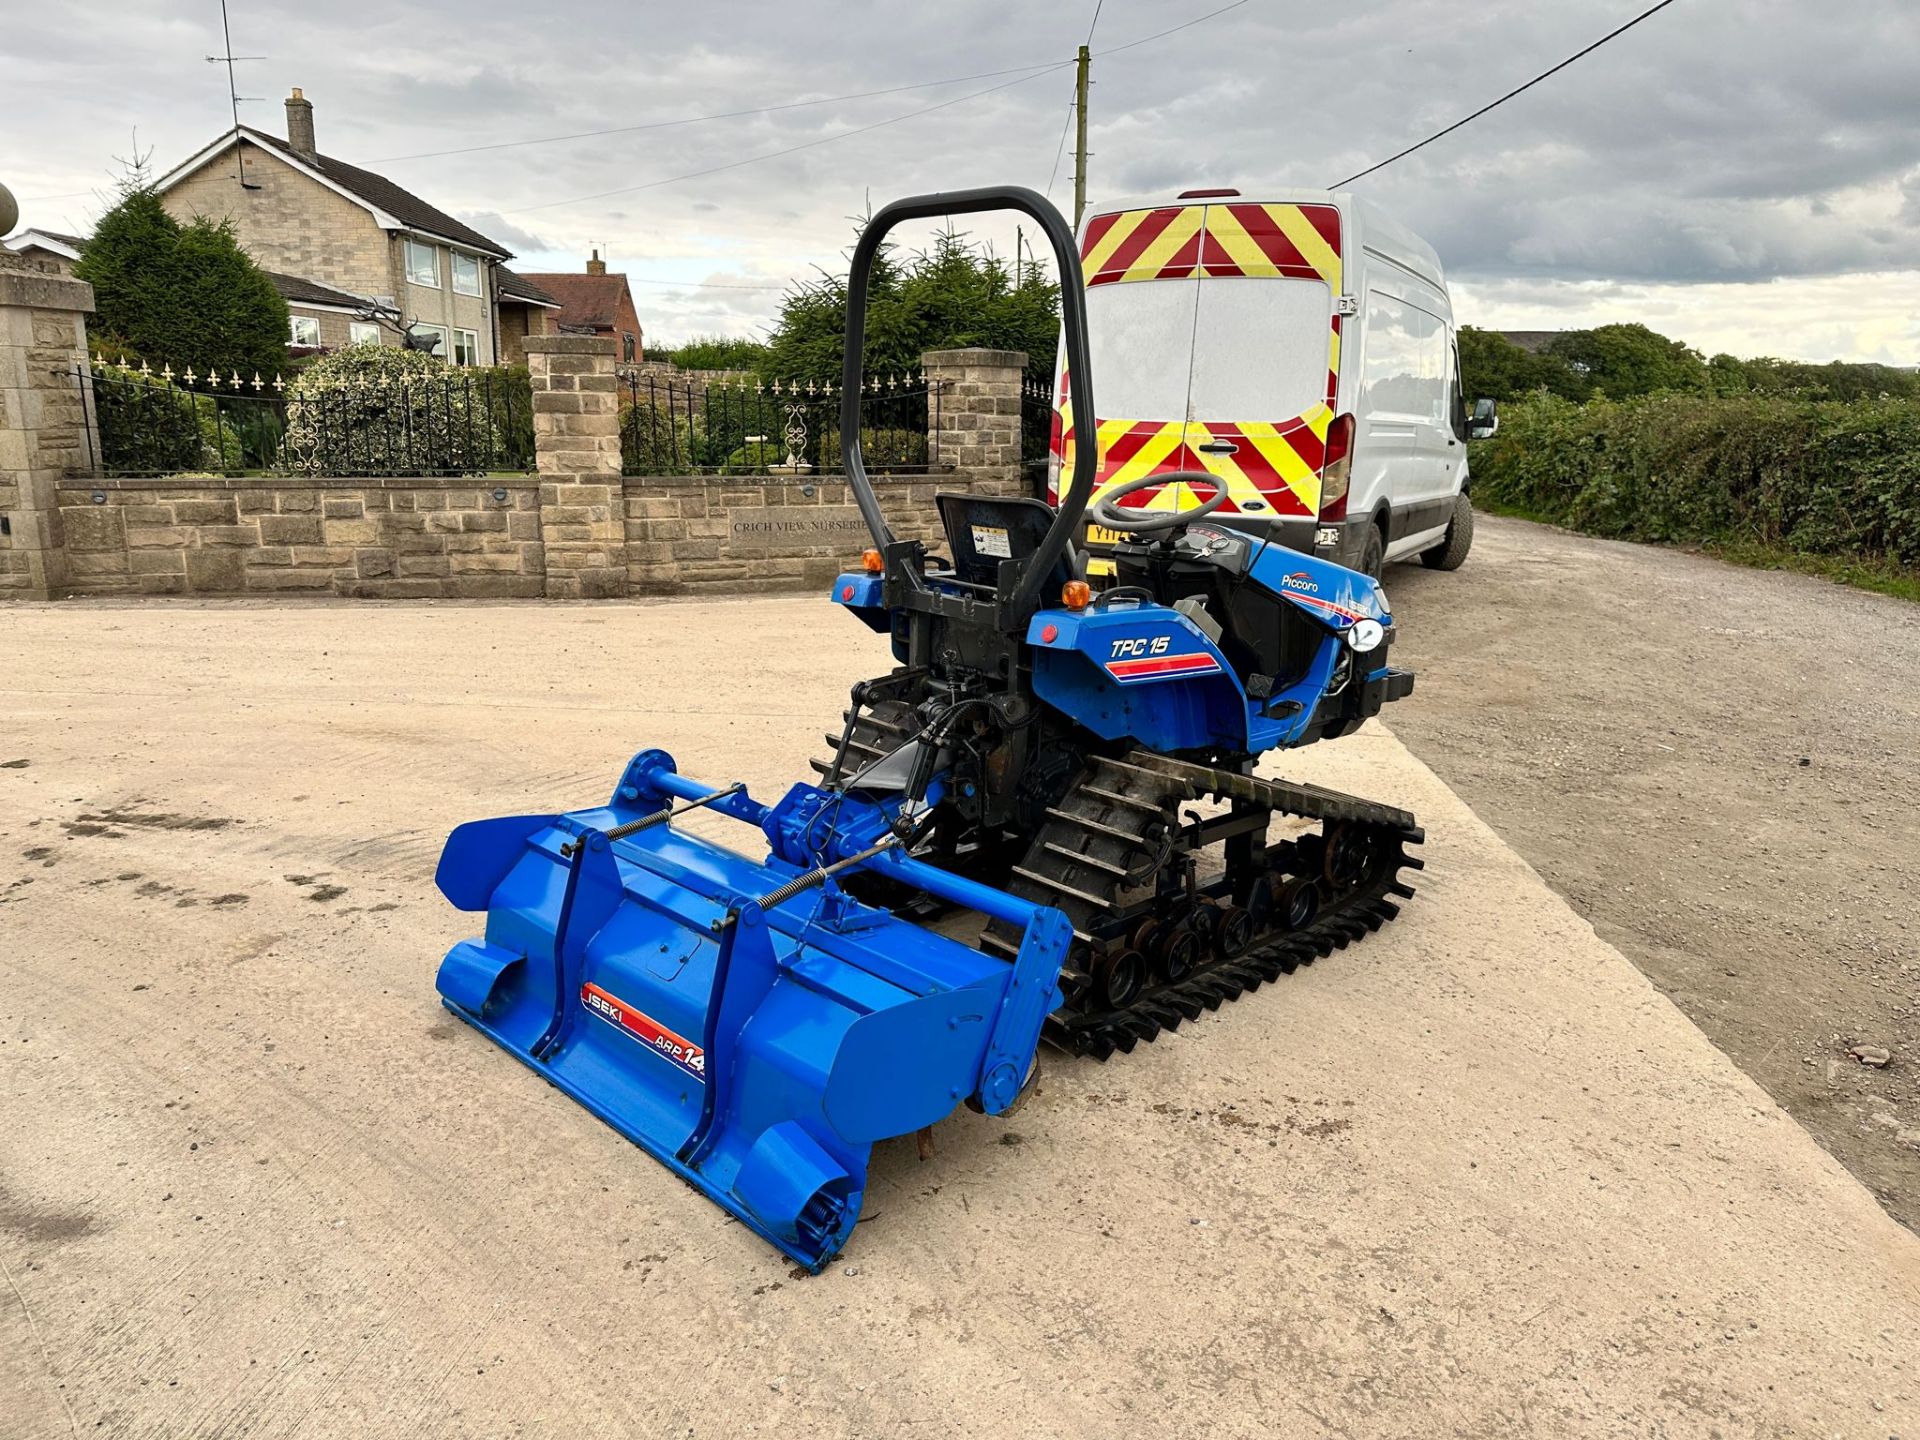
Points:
[1299,347]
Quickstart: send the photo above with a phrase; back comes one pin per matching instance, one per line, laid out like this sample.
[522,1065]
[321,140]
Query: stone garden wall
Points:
[576,529]
[367,539]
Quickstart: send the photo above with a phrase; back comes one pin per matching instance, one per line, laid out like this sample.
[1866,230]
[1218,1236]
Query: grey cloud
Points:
[1714,143]
[496,226]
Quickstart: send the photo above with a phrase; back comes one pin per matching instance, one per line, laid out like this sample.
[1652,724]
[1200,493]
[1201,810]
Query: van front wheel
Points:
[1451,553]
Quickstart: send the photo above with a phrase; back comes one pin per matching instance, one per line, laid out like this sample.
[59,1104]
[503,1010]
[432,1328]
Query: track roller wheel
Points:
[1175,952]
[1204,921]
[1295,902]
[1118,977]
[1234,935]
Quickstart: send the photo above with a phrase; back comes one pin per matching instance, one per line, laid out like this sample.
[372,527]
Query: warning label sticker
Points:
[992,540]
[647,1030]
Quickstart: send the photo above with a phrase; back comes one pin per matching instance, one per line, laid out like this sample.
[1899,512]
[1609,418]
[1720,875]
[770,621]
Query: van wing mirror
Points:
[1485,422]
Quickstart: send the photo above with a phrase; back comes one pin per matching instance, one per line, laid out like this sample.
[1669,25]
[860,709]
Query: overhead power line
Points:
[1173,29]
[1518,90]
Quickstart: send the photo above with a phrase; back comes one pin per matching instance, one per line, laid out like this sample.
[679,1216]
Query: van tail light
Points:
[1337,469]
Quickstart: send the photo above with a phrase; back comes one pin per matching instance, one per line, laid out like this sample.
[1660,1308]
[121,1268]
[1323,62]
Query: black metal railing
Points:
[147,422]
[1036,433]
[686,425]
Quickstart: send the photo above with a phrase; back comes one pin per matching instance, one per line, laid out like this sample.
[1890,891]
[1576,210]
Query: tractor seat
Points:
[984,530]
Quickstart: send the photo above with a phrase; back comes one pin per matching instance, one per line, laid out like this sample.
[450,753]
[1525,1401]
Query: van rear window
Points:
[1224,349]
[1260,349]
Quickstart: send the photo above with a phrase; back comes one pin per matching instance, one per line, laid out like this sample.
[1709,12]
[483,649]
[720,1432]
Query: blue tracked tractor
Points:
[1068,780]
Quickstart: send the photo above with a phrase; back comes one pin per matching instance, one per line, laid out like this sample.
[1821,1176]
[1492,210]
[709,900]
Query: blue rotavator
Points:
[1066,779]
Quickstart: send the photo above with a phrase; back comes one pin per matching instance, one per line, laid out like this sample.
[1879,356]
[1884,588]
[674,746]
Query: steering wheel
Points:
[1107,511]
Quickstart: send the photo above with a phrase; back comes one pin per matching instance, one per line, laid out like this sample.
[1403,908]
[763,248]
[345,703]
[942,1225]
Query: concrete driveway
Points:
[1473,1178]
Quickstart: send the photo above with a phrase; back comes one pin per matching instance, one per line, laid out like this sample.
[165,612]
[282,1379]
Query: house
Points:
[595,303]
[324,318]
[62,250]
[525,309]
[355,255]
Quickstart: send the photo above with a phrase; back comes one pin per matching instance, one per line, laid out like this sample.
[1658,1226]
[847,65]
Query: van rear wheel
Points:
[1451,553]
[1373,558]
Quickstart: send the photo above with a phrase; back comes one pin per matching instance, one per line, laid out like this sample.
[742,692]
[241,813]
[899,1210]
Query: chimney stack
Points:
[596,266]
[300,125]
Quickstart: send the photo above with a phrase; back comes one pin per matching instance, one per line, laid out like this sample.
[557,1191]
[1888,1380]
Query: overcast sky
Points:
[1744,174]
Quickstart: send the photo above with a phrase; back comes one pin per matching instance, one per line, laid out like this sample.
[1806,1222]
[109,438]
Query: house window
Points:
[305,331]
[423,264]
[466,348]
[436,332]
[363,332]
[466,274]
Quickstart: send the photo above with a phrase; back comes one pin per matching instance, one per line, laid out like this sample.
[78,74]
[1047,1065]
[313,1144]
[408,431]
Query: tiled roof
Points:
[296,290]
[588,301]
[403,205]
[515,286]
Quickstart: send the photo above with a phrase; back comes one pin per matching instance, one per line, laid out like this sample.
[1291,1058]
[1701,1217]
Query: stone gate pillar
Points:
[45,418]
[973,424]
[576,439]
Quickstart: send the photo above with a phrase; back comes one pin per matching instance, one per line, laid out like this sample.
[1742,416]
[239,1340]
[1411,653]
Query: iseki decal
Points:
[647,1030]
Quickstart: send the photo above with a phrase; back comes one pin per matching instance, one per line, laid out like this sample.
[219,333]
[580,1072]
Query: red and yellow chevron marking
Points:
[1276,465]
[1301,242]
[1161,244]
[1273,472]
[1176,242]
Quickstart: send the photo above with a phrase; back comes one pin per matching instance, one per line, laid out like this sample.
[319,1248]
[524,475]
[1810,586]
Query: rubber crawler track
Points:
[1080,849]
[1077,861]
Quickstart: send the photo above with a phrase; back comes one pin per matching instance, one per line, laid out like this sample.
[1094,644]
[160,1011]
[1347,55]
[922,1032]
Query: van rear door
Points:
[1142,273]
[1217,348]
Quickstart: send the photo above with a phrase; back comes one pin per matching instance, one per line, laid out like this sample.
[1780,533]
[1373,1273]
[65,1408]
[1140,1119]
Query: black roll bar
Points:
[1073,307]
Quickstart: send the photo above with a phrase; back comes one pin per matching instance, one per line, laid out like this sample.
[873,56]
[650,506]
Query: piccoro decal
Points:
[1300,580]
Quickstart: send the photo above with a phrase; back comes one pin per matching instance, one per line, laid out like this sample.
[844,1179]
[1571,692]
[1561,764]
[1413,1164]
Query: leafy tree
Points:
[955,294]
[1621,361]
[1837,380]
[1492,365]
[180,295]
[713,352]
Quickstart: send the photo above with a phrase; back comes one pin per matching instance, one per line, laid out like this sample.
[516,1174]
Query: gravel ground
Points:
[1720,768]
[1474,1177]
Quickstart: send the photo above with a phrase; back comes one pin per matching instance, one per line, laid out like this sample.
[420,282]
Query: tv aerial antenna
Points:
[234,97]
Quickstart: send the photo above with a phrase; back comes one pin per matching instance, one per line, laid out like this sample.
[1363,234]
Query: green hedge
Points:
[1820,478]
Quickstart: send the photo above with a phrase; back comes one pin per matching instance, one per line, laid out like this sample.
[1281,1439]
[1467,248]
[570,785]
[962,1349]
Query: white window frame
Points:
[468,340]
[296,323]
[446,342]
[412,276]
[474,261]
[363,332]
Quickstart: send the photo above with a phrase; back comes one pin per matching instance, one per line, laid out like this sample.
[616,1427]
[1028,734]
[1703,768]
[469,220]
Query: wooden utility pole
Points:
[1080,135]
